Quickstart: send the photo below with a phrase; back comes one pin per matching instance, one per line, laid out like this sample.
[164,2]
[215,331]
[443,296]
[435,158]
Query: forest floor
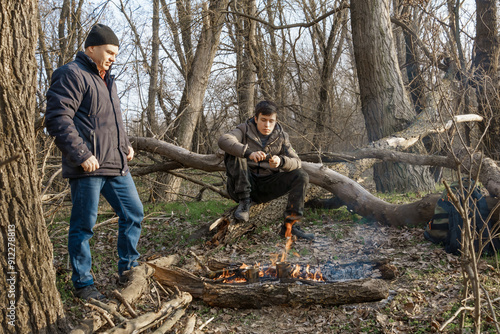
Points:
[425,293]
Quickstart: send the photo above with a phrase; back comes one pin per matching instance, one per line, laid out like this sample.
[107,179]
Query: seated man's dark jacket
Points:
[245,138]
[83,114]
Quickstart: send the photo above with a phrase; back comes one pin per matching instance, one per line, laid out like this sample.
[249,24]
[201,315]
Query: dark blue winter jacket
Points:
[83,114]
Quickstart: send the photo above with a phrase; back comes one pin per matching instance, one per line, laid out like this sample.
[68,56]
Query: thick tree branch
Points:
[381,154]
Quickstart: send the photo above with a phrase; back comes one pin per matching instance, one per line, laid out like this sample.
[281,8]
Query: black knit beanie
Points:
[100,35]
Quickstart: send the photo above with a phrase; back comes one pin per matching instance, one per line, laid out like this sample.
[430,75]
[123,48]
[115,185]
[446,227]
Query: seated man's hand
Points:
[257,156]
[90,165]
[274,161]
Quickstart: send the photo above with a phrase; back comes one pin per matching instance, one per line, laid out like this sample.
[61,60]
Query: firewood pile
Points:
[119,314]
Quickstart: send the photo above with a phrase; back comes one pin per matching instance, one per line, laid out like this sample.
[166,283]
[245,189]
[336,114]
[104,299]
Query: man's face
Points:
[265,123]
[103,55]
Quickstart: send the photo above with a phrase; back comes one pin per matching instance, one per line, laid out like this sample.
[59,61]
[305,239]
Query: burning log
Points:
[292,294]
[284,285]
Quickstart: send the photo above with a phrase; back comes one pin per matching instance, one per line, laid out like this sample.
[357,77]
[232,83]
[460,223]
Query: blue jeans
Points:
[122,195]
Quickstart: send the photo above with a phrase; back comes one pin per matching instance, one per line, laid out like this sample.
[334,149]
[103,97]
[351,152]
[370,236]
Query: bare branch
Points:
[343,5]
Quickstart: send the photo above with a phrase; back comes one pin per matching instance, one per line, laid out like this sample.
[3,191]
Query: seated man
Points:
[261,165]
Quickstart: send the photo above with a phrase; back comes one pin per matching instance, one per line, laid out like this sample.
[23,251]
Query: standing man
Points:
[83,114]
[261,165]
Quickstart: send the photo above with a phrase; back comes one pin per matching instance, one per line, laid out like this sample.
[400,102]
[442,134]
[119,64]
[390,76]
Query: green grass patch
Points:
[342,214]
[194,210]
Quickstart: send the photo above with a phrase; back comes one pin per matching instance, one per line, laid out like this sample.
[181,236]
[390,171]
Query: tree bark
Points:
[384,102]
[152,128]
[487,76]
[29,297]
[245,70]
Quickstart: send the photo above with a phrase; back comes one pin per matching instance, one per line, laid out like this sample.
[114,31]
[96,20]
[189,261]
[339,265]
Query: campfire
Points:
[280,271]
[278,283]
[284,272]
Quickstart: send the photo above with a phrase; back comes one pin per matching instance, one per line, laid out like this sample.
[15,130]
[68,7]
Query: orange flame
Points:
[288,246]
[296,271]
[288,232]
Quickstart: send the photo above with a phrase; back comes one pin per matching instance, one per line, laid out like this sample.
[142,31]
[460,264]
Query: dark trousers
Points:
[242,183]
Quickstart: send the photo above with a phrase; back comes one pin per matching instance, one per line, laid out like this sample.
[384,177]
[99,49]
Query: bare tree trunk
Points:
[328,62]
[43,50]
[29,297]
[152,128]
[413,72]
[385,104]
[277,59]
[63,42]
[487,77]
[245,70]
[191,104]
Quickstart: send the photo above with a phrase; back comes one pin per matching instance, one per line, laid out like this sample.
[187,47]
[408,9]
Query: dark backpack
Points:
[446,224]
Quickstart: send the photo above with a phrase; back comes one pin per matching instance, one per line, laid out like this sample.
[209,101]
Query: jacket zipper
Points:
[94,144]
[110,89]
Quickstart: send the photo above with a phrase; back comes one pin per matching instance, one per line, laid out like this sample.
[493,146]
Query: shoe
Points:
[298,232]
[88,292]
[123,280]
[241,212]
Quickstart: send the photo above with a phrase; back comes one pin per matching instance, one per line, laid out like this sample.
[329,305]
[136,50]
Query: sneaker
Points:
[123,279]
[88,292]
[298,232]
[241,212]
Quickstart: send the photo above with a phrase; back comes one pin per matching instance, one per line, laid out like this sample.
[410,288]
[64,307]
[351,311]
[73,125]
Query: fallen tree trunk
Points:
[367,205]
[290,294]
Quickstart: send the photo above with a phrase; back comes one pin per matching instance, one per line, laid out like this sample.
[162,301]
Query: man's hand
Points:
[130,154]
[90,165]
[257,156]
[274,161]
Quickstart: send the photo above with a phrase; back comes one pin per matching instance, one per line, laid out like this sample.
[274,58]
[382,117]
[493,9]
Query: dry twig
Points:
[108,308]
[104,313]
[130,310]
